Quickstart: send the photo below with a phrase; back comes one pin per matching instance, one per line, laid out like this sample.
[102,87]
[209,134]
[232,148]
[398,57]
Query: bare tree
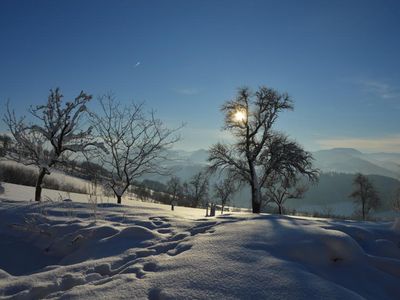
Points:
[224,190]
[135,142]
[252,158]
[174,188]
[287,163]
[55,134]
[196,190]
[365,194]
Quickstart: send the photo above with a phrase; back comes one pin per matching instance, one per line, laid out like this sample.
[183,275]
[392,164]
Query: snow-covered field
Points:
[72,250]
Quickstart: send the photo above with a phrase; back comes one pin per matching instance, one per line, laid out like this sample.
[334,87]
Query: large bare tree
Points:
[54,133]
[258,150]
[135,142]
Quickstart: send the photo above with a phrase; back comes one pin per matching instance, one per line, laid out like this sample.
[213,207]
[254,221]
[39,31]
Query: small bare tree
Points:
[135,142]
[365,194]
[174,188]
[283,189]
[224,190]
[55,134]
[196,189]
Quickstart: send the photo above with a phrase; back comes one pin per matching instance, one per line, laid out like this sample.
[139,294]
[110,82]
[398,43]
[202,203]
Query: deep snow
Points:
[141,250]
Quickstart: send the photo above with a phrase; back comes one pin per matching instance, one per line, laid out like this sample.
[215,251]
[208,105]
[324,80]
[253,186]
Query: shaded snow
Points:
[147,251]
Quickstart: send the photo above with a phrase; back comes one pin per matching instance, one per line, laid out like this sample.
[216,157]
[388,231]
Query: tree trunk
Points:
[255,190]
[39,181]
[255,199]
[119,199]
[222,209]
[256,207]
[280,209]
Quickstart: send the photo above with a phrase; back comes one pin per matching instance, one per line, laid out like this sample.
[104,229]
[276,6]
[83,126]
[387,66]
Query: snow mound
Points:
[322,248]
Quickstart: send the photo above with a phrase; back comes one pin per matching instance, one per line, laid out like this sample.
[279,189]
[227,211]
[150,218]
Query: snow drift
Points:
[145,251]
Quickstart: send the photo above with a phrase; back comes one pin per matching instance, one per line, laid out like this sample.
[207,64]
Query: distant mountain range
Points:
[348,160]
[340,160]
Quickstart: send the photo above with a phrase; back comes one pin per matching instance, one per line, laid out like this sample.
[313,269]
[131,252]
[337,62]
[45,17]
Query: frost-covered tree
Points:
[258,150]
[364,194]
[223,191]
[54,133]
[135,142]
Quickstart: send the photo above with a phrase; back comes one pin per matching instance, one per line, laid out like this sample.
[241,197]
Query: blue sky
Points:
[339,60]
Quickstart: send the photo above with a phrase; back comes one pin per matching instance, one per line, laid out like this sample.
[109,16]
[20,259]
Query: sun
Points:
[239,116]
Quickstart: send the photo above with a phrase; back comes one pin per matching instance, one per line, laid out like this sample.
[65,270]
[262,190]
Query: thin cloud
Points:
[380,89]
[386,144]
[187,91]
[194,138]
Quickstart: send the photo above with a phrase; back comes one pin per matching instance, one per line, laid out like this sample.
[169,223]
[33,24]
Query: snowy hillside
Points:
[64,250]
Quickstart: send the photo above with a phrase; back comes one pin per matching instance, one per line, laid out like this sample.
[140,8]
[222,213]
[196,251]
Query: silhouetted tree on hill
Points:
[364,194]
